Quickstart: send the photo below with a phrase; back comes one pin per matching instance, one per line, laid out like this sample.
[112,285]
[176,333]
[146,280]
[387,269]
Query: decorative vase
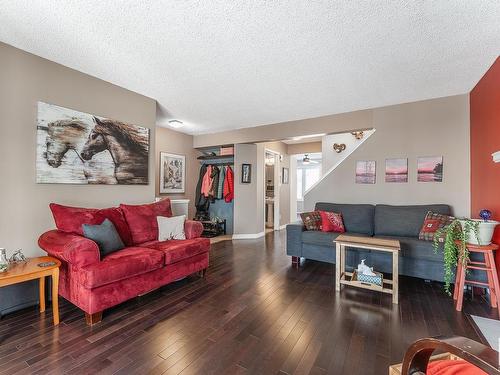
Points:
[485,232]
[4,263]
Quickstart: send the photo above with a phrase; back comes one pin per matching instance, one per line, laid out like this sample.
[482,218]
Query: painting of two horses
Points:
[78,148]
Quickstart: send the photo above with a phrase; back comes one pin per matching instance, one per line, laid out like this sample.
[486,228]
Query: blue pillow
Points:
[105,235]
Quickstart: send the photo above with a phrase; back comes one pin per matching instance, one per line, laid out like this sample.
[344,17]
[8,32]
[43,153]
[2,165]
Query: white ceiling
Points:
[220,65]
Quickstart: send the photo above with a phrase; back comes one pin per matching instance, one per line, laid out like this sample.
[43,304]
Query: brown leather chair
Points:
[418,354]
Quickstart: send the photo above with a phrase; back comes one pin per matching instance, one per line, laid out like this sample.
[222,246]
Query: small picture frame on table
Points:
[246,173]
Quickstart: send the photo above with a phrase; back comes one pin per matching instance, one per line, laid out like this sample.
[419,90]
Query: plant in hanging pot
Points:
[454,237]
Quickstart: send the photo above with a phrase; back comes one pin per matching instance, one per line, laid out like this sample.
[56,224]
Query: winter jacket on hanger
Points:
[220,187]
[207,180]
[229,185]
[214,185]
[198,195]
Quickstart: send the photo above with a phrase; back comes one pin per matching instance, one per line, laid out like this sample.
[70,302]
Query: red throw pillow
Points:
[70,219]
[453,367]
[433,222]
[141,219]
[331,222]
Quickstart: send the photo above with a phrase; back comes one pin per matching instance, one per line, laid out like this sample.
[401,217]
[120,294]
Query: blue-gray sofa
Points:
[402,223]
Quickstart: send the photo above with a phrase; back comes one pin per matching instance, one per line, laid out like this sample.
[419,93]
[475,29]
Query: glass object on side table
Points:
[4,263]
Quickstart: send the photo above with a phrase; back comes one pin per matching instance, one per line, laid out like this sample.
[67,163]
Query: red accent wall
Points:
[485,139]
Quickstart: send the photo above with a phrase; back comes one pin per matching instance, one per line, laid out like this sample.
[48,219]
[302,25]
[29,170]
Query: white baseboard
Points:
[249,236]
[283,226]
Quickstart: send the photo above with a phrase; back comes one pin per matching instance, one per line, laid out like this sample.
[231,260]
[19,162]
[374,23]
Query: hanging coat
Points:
[229,185]
[207,180]
[198,195]
[220,188]
[214,185]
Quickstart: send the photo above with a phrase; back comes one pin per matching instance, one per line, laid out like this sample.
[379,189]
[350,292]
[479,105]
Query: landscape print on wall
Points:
[78,148]
[430,169]
[396,170]
[365,172]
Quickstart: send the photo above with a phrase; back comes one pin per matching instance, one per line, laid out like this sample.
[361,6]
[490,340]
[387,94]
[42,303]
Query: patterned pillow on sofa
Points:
[432,222]
[311,220]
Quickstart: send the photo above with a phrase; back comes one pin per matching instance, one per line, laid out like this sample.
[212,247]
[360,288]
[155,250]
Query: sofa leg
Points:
[295,262]
[92,319]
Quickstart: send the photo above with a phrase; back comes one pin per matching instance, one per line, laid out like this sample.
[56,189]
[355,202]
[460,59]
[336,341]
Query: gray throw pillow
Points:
[105,235]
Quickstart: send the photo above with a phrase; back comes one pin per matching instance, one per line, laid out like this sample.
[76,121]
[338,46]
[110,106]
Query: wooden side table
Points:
[30,270]
[342,277]
[488,266]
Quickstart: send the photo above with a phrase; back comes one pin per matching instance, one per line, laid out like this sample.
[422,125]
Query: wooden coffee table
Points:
[370,243]
[30,270]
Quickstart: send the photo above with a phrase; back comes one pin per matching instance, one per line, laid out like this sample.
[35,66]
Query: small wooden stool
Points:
[488,266]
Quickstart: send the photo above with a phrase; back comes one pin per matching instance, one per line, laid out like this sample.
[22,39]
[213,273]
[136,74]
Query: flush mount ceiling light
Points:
[176,124]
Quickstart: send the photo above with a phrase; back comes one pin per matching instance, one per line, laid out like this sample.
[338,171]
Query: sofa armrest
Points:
[72,248]
[193,229]
[294,238]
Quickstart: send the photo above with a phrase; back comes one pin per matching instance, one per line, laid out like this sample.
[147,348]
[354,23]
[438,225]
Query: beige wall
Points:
[170,141]
[427,128]
[249,198]
[304,148]
[26,79]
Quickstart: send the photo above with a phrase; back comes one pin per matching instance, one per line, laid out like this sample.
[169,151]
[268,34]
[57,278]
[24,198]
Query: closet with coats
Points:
[215,193]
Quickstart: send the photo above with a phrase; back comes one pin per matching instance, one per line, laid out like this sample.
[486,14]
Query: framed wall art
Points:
[79,148]
[172,173]
[246,173]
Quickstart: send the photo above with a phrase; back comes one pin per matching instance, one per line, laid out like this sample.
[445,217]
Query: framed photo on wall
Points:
[285,176]
[172,173]
[246,173]
[366,172]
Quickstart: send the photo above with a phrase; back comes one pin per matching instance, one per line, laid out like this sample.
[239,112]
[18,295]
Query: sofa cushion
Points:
[331,222]
[141,219]
[177,250]
[70,219]
[417,249]
[115,215]
[323,238]
[404,221]
[123,264]
[105,236]
[432,223]
[311,220]
[358,218]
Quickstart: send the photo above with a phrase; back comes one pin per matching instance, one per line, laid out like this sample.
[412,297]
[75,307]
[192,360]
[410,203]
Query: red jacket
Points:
[229,185]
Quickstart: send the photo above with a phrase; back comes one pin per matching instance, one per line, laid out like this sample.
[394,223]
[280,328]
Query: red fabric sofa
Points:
[94,284]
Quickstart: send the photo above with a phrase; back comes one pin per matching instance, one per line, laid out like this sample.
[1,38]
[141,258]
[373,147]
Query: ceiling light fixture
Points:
[176,124]
[496,157]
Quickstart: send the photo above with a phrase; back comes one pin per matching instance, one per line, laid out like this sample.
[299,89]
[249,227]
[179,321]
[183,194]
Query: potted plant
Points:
[454,238]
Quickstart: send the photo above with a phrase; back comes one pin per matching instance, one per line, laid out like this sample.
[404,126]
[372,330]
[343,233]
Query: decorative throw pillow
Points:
[141,219]
[311,220]
[433,222]
[105,235]
[331,222]
[171,228]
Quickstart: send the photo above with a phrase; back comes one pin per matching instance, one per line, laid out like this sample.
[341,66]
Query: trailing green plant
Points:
[454,238]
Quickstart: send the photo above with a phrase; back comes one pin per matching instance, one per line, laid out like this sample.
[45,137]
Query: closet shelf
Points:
[213,157]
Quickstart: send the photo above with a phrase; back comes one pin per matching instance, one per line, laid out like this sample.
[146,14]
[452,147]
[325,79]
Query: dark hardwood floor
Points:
[252,314]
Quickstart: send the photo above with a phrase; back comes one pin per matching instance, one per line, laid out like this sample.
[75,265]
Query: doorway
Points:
[271,191]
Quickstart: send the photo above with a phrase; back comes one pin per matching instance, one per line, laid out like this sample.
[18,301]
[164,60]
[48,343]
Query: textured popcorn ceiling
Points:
[230,64]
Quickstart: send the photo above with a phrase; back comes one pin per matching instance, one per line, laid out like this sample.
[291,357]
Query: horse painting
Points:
[78,148]
[127,146]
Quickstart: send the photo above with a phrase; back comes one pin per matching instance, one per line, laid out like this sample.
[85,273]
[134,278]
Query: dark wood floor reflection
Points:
[252,314]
